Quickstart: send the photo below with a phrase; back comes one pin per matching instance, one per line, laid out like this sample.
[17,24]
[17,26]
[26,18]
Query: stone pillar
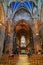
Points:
[2,28]
[14,43]
[39,6]
[2,36]
[32,44]
[37,36]
[8,43]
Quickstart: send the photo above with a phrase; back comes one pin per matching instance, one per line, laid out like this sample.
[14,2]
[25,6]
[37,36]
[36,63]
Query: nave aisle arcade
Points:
[21,30]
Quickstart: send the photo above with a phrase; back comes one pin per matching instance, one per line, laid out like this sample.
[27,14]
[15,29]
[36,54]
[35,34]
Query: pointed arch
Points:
[24,9]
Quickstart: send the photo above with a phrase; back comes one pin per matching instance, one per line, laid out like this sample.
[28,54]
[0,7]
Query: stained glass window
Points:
[23,39]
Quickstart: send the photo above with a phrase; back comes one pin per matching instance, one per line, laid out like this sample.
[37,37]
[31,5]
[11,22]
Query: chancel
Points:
[21,31]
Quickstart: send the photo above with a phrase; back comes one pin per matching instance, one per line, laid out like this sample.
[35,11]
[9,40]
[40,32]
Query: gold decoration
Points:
[1,15]
[37,26]
[8,28]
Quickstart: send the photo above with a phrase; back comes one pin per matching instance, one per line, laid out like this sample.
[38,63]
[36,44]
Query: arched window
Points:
[23,39]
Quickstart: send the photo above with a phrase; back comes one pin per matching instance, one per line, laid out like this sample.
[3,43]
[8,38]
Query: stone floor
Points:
[21,59]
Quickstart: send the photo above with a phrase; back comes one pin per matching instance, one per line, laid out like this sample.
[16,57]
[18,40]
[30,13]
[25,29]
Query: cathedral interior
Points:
[21,30]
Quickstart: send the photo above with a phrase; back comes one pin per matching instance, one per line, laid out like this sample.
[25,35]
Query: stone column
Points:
[37,36]
[8,43]
[2,36]
[2,28]
[31,44]
[14,43]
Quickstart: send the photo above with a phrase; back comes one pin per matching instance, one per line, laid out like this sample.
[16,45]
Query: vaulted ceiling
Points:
[31,5]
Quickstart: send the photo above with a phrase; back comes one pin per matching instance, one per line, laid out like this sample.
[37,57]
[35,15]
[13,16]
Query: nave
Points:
[21,32]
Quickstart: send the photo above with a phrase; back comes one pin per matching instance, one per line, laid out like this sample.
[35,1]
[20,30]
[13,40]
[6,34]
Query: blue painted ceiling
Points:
[25,4]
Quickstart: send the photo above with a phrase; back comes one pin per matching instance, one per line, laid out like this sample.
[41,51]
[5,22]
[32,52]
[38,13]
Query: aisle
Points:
[23,60]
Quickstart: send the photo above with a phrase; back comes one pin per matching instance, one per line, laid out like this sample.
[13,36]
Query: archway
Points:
[22,13]
[23,37]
